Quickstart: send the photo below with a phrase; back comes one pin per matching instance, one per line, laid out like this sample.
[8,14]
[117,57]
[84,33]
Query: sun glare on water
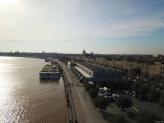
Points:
[8,2]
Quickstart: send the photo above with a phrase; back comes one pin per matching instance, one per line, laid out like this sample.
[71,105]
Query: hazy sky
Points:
[101,26]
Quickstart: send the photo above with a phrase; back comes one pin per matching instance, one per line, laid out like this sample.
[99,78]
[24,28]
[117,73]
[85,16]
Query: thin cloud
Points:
[73,22]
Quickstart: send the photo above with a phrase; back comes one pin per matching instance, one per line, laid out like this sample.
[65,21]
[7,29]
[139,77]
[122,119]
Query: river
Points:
[23,98]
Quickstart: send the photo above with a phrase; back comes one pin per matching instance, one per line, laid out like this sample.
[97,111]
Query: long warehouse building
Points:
[89,72]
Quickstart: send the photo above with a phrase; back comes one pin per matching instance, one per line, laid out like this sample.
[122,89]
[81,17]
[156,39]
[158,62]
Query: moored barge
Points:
[50,72]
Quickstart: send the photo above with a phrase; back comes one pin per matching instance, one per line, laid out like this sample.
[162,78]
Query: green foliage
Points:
[118,119]
[147,117]
[132,112]
[93,91]
[124,102]
[137,85]
[87,86]
[153,95]
[47,68]
[135,72]
[100,102]
[143,91]
[161,100]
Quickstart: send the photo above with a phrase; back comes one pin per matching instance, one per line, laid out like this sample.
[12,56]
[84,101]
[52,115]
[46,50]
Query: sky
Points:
[69,26]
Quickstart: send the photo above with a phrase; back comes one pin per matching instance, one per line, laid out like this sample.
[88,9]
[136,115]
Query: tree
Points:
[137,85]
[147,117]
[100,102]
[87,86]
[143,91]
[161,100]
[153,95]
[118,119]
[93,91]
[135,72]
[124,102]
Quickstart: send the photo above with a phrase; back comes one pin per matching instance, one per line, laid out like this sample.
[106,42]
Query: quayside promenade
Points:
[81,109]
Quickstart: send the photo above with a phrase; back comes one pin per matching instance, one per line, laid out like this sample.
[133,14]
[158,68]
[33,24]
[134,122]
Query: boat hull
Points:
[49,75]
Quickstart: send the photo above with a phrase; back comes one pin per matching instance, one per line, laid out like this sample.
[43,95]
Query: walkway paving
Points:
[86,112]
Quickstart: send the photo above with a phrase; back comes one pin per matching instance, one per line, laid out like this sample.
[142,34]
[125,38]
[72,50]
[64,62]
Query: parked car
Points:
[115,96]
[90,83]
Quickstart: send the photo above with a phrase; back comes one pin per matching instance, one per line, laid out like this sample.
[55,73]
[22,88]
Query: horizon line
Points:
[81,53]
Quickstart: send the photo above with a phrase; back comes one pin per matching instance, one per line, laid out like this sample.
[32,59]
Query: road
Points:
[85,111]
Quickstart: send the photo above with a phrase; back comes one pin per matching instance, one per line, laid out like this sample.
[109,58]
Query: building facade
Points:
[156,70]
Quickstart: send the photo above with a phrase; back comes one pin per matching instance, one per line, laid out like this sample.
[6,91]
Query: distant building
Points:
[149,65]
[89,72]
[84,52]
[87,55]
[155,70]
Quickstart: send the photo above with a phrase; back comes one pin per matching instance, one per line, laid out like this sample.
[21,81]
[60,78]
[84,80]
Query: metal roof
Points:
[91,66]
[83,72]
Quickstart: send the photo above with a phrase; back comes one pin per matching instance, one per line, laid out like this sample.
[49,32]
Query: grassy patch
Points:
[150,107]
[47,68]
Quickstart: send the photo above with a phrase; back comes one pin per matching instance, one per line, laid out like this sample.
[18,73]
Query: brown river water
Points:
[24,99]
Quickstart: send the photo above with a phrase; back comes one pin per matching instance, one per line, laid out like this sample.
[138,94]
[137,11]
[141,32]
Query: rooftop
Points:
[83,72]
[95,67]
[91,66]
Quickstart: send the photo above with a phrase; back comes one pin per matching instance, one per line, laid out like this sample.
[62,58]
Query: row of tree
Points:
[102,103]
[125,102]
[147,93]
[98,101]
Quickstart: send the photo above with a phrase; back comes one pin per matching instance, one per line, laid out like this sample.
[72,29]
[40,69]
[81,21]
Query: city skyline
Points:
[106,26]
